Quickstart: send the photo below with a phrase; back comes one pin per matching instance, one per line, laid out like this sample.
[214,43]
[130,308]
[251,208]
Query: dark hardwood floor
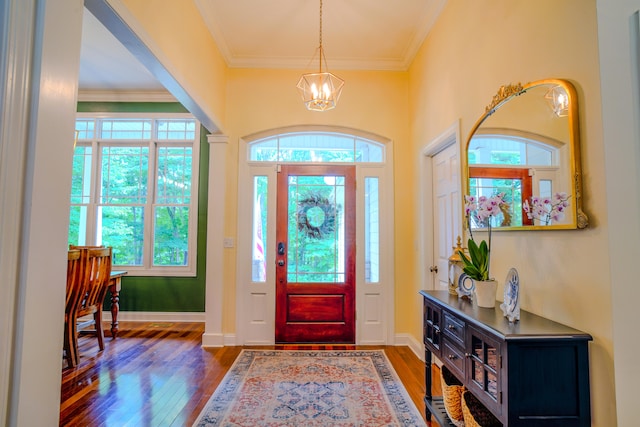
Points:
[157,374]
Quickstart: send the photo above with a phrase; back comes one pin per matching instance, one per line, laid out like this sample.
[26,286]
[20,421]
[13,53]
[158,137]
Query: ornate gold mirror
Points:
[527,147]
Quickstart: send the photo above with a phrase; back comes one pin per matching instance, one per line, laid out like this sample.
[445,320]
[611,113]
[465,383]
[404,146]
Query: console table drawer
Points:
[453,327]
[453,356]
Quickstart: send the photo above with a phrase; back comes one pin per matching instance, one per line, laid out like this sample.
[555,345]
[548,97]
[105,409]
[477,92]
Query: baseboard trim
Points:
[155,316]
[412,343]
[212,340]
[229,340]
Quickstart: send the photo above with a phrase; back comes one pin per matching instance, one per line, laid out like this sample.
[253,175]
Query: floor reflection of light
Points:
[164,388]
[129,394]
[144,398]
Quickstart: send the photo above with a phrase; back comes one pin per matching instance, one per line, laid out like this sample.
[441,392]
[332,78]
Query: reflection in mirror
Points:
[526,146]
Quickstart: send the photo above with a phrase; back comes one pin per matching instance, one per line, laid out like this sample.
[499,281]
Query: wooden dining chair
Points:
[75,289]
[89,308]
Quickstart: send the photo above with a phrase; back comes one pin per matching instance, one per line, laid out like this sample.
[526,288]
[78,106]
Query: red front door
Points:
[315,254]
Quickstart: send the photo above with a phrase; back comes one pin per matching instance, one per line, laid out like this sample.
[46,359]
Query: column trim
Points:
[214,289]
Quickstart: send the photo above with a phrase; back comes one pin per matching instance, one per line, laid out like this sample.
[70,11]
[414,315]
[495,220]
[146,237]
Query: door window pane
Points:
[316,229]
[546,189]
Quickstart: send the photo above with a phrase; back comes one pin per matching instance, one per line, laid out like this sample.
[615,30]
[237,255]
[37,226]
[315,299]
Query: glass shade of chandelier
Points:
[558,100]
[320,91]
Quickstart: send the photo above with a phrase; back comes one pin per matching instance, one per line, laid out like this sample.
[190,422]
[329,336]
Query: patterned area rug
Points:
[310,388]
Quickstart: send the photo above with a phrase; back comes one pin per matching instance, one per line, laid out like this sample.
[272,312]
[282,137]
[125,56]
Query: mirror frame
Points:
[579,219]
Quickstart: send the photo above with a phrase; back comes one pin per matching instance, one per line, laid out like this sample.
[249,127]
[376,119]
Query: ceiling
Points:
[357,35]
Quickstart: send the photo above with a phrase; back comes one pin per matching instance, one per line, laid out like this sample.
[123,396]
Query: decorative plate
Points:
[466,285]
[511,305]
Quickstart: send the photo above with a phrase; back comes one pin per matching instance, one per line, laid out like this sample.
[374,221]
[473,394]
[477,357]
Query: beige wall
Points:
[475,48]
[376,102]
[177,35]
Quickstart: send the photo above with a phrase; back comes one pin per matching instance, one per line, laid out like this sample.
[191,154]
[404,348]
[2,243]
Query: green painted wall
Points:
[170,294]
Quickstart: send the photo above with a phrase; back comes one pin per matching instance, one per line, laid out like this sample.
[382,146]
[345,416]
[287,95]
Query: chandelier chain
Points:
[320,48]
[320,24]
[320,91]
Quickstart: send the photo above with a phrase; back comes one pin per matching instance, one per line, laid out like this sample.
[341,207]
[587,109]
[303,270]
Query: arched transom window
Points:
[328,147]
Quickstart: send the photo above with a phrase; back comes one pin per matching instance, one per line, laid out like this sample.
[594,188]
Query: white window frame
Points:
[147,268]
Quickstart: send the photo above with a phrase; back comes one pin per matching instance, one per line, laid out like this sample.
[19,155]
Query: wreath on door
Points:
[316,216]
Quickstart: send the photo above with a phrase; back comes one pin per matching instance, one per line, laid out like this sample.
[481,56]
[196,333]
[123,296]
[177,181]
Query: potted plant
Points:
[477,264]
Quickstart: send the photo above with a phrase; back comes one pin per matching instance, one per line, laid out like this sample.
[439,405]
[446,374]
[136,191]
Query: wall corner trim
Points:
[217,139]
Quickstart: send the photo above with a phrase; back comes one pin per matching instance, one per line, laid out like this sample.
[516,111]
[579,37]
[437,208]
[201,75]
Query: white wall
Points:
[620,109]
[45,134]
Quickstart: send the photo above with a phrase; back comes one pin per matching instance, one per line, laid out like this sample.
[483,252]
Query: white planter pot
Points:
[485,291]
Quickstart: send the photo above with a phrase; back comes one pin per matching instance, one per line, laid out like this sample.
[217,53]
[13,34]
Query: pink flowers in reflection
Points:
[547,210]
[482,208]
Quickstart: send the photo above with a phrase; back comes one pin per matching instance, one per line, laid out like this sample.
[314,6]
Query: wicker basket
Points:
[475,414]
[452,390]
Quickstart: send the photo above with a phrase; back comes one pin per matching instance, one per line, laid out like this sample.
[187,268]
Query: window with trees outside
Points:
[515,166]
[134,188]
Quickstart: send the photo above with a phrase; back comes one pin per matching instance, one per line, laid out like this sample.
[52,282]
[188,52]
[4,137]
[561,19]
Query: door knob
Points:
[434,269]
[281,263]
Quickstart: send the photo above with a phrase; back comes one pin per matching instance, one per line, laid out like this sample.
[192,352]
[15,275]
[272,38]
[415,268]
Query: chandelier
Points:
[320,91]
[558,100]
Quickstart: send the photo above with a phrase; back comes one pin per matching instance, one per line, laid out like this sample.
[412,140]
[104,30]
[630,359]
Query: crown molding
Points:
[124,96]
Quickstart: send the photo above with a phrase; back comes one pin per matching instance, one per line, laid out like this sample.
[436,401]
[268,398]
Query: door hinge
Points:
[278,168]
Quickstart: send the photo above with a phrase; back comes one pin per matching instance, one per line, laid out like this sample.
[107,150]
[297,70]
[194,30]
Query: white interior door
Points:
[446,211]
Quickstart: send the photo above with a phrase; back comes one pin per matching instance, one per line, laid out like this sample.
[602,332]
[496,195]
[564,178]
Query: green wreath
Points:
[316,216]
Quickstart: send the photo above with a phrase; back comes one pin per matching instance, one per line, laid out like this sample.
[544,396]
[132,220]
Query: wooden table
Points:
[529,373]
[115,283]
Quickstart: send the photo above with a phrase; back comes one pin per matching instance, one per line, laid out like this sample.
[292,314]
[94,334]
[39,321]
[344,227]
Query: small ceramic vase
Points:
[485,292]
